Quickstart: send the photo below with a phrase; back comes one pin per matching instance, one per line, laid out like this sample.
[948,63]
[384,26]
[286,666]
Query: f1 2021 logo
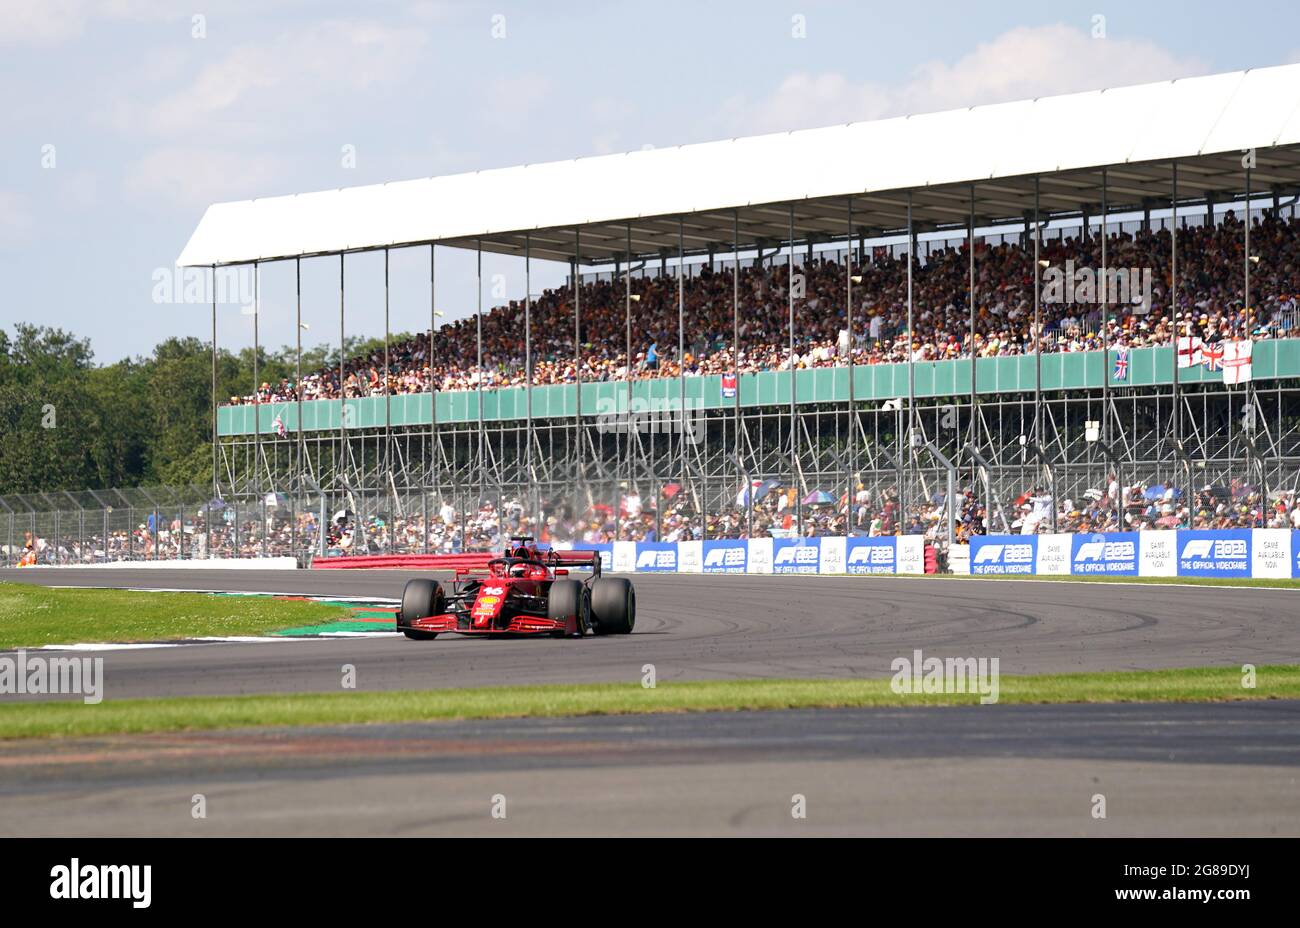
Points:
[1215,557]
[871,559]
[1209,548]
[651,559]
[1004,558]
[797,558]
[725,560]
[1097,554]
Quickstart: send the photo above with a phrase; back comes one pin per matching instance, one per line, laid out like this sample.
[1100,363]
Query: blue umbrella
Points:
[818,498]
[1154,492]
[761,490]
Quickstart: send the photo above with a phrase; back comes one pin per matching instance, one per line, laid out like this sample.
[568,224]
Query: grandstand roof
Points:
[1203,122]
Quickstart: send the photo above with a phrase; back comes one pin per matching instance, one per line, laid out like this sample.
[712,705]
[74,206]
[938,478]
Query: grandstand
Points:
[811,333]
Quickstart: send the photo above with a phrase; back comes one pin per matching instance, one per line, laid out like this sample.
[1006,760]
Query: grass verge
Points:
[191,713]
[31,616]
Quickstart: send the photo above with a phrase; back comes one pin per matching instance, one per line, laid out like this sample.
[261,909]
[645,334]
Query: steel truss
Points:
[1231,436]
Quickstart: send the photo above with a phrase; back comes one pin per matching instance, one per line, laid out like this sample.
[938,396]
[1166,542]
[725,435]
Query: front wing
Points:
[517,625]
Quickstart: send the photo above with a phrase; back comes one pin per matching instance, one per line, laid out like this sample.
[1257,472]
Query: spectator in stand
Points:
[1210,305]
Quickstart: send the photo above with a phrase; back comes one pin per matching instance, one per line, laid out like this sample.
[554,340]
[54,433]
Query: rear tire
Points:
[613,606]
[566,598]
[420,599]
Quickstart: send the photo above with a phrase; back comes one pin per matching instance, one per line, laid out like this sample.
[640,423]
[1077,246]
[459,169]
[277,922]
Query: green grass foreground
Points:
[193,713]
[31,616]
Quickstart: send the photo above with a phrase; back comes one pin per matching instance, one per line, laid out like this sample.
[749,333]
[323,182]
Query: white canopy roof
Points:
[1205,122]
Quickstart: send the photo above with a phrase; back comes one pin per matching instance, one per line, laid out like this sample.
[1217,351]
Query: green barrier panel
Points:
[1273,360]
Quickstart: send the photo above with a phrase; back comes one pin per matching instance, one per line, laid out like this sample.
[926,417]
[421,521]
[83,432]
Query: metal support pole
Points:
[681,354]
[386,460]
[578,435]
[480,461]
[853,432]
[1105,328]
[735,366]
[1174,315]
[534,514]
[970,298]
[627,350]
[794,439]
[1038,348]
[1245,305]
[343,393]
[257,391]
[302,440]
[435,440]
[216,486]
[907,452]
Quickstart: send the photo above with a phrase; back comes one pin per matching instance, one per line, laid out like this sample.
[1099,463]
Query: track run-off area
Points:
[1198,769]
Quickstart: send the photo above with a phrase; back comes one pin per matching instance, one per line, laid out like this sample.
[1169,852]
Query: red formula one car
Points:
[523,591]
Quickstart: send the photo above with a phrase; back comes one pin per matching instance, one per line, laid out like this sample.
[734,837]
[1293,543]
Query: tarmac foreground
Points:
[1221,769]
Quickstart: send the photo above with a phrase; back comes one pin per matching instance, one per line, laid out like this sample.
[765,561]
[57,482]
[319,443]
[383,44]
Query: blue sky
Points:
[153,114]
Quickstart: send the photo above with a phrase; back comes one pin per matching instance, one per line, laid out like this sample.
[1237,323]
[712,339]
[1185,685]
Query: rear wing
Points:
[576,559]
[461,564]
[467,561]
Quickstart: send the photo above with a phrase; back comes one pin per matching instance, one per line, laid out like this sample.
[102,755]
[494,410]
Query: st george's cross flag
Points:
[1189,351]
[1237,362]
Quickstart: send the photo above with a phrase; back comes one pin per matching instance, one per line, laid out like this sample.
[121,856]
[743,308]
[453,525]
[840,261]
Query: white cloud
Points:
[274,87]
[44,23]
[1022,63]
[189,179]
[15,219]
[41,22]
[215,133]
[515,102]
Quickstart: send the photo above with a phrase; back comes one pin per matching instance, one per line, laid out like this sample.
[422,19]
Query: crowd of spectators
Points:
[1210,305]
[670,514]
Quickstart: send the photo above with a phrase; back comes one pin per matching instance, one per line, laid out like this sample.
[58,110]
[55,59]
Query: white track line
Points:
[224,639]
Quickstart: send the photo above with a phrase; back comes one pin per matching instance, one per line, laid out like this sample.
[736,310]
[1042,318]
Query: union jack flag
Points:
[1212,355]
[1121,364]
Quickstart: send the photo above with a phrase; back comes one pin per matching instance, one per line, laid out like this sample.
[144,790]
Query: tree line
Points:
[67,423]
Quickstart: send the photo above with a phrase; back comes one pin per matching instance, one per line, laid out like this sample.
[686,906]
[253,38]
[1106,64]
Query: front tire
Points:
[613,606]
[420,599]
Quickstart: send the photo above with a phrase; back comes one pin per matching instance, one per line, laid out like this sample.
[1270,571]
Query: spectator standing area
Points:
[1071,314]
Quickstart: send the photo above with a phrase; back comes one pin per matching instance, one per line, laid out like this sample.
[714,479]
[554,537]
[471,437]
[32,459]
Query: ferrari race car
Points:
[526,590]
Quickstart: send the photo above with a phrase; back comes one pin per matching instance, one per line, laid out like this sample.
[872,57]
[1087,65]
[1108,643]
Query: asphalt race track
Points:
[995,770]
[1212,769]
[728,627]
